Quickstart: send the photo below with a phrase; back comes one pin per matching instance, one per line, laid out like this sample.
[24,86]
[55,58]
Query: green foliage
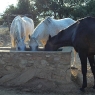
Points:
[90,7]
[23,7]
[39,9]
[11,10]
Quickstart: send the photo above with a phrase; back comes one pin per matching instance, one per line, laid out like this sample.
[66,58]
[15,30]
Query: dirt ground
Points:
[5,42]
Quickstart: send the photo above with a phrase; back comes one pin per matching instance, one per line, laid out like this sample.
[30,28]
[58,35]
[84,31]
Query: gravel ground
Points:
[4,42]
[11,91]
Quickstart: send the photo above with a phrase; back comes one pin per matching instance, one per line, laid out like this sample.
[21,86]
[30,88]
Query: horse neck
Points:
[39,31]
[65,37]
[63,23]
[18,36]
[18,33]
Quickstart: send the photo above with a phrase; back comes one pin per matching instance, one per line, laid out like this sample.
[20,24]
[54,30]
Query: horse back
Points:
[20,28]
[85,34]
[29,27]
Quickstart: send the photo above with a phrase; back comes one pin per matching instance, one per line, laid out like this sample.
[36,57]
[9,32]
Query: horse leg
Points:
[83,59]
[92,64]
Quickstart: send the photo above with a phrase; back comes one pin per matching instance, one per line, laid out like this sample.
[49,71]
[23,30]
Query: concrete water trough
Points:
[36,71]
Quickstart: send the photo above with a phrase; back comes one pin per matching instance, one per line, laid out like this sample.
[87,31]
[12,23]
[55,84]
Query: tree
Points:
[23,7]
[11,10]
[90,8]
[39,9]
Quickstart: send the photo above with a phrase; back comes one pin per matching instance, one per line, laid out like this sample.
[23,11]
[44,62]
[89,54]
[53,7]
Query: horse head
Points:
[20,45]
[50,46]
[33,44]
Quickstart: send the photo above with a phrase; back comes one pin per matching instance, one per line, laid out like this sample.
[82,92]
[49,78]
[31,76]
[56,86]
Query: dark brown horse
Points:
[81,36]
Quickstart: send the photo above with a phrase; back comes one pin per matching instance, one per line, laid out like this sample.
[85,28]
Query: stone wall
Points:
[36,71]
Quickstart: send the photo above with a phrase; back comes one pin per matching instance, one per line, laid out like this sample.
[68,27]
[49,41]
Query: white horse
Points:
[47,27]
[21,28]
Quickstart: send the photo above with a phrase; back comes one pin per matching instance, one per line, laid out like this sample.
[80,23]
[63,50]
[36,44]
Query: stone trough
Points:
[36,71]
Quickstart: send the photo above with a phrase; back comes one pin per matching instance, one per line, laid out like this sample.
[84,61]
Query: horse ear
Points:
[49,36]
[29,36]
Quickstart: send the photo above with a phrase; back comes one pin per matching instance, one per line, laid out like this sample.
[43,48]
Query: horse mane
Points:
[88,18]
[59,35]
[48,20]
